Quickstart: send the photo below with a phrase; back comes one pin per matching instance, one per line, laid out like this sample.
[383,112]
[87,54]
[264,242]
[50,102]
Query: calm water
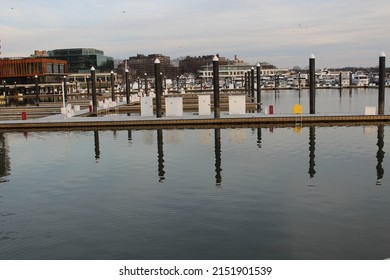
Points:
[239,193]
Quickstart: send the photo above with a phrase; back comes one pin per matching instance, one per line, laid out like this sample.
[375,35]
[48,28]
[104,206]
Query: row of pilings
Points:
[248,77]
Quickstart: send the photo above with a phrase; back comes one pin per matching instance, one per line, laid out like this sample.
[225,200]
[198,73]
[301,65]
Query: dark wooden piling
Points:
[381,90]
[312,78]
[216,87]
[93,81]
[127,86]
[157,87]
[112,86]
[258,91]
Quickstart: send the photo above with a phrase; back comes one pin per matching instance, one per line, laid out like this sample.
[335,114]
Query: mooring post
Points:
[299,81]
[127,86]
[246,83]
[312,74]
[258,82]
[36,91]
[112,87]
[157,87]
[216,86]
[65,90]
[146,84]
[88,80]
[381,91]
[93,81]
[252,84]
[341,80]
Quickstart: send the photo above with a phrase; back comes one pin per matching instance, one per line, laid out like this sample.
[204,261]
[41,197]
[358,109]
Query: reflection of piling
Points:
[258,91]
[129,136]
[127,86]
[381,91]
[160,155]
[380,154]
[157,87]
[93,80]
[312,148]
[97,146]
[312,78]
[217,150]
[259,138]
[216,87]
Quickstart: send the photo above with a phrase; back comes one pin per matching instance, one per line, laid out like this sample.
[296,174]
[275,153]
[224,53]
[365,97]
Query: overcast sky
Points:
[282,32]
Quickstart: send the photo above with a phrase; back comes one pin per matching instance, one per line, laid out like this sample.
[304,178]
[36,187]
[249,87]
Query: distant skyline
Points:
[281,32]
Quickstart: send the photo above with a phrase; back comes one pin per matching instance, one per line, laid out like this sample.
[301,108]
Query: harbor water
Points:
[212,193]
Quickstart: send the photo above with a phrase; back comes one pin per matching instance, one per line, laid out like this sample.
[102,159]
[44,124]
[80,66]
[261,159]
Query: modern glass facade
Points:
[81,60]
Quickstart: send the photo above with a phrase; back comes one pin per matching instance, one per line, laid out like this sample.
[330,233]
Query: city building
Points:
[80,60]
[141,64]
[23,70]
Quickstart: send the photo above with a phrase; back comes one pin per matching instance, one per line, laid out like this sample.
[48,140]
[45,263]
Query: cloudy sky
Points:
[281,32]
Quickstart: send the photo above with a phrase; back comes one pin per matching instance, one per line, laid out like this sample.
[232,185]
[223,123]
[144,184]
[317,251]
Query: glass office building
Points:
[81,60]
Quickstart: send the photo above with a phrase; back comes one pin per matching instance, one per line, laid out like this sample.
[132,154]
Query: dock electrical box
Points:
[204,105]
[174,106]
[146,106]
[237,105]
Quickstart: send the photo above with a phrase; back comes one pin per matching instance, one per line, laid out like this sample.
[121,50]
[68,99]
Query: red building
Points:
[23,70]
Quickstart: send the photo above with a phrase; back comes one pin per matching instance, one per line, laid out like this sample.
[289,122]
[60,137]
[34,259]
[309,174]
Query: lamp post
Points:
[36,91]
[112,86]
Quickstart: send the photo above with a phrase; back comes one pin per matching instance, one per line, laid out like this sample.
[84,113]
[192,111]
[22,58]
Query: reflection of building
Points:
[81,60]
[23,70]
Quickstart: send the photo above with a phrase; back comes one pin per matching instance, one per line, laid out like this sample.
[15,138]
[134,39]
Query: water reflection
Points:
[97,145]
[217,150]
[312,148]
[129,136]
[259,138]
[380,154]
[160,155]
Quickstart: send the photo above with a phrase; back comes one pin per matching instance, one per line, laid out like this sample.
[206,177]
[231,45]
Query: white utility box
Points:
[174,106]
[237,105]
[204,105]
